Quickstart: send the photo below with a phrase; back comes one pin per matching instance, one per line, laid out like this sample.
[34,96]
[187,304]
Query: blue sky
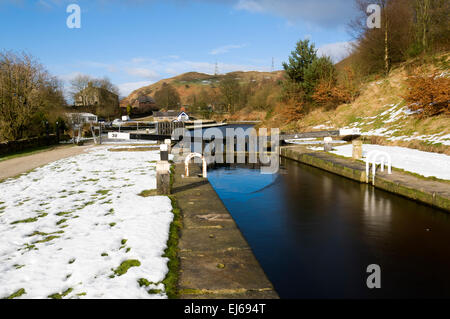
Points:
[138,42]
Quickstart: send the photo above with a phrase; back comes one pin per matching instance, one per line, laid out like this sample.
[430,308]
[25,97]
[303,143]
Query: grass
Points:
[25,221]
[124,266]
[46,239]
[63,213]
[17,294]
[103,192]
[29,220]
[148,193]
[59,222]
[171,252]
[144,282]
[154,291]
[60,296]
[38,233]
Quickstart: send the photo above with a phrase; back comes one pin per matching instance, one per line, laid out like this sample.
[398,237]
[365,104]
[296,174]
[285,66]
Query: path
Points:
[19,165]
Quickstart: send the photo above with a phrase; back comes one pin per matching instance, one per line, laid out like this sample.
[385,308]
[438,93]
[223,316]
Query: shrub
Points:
[330,93]
[430,95]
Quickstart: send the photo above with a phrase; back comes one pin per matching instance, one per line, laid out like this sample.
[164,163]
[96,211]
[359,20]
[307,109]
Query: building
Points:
[171,116]
[79,118]
[142,105]
[182,117]
[93,96]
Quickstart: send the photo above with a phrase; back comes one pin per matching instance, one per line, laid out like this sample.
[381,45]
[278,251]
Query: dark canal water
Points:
[315,233]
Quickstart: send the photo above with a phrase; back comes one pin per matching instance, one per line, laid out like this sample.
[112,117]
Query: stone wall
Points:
[29,143]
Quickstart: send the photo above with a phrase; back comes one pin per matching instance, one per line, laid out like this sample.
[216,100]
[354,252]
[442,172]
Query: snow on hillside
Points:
[392,124]
[423,163]
[76,228]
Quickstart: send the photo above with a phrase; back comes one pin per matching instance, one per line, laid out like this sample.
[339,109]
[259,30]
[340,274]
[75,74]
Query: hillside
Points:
[381,112]
[191,83]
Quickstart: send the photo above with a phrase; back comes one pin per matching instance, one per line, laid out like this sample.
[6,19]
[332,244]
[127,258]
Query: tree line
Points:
[29,97]
[409,28]
[32,102]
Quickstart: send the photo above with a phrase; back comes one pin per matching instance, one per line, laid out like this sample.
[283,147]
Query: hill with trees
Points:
[209,95]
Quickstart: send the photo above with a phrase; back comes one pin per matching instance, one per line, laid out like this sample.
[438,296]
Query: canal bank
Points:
[431,192]
[215,259]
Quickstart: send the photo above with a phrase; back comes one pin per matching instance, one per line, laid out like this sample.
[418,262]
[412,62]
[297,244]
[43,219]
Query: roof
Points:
[82,114]
[169,113]
[145,99]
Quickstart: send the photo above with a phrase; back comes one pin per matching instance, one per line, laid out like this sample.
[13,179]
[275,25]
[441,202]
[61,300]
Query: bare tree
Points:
[432,23]
[78,86]
[378,49]
[26,89]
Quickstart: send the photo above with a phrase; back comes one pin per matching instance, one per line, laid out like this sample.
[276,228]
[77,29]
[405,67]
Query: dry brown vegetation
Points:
[430,95]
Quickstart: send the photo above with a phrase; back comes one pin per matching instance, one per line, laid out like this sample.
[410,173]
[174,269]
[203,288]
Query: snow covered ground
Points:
[415,161]
[78,229]
[393,119]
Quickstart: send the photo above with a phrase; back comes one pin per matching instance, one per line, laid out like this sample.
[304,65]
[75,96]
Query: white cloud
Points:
[143,73]
[325,13]
[44,4]
[337,51]
[226,48]
[126,88]
[138,60]
[139,72]
[250,5]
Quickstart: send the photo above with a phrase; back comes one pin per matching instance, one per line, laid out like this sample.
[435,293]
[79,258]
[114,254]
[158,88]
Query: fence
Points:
[167,128]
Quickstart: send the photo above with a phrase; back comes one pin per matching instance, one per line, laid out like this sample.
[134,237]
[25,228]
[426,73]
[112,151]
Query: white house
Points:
[83,117]
[182,117]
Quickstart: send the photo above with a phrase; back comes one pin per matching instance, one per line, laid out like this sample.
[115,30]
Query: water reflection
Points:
[315,233]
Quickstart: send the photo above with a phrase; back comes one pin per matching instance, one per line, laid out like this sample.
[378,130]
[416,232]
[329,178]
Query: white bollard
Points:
[327,144]
[168,142]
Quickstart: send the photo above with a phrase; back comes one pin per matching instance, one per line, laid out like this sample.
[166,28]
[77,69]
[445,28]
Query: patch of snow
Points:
[322,127]
[91,203]
[352,131]
[424,163]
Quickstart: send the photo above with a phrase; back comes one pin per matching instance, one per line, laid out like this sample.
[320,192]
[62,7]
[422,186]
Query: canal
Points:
[314,233]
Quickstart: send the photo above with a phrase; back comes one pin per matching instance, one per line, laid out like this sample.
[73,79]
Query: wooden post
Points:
[357,150]
[163,177]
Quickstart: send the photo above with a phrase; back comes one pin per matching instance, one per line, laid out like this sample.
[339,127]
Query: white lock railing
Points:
[383,158]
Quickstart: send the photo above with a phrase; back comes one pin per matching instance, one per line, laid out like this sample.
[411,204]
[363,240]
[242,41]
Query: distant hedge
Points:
[29,143]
